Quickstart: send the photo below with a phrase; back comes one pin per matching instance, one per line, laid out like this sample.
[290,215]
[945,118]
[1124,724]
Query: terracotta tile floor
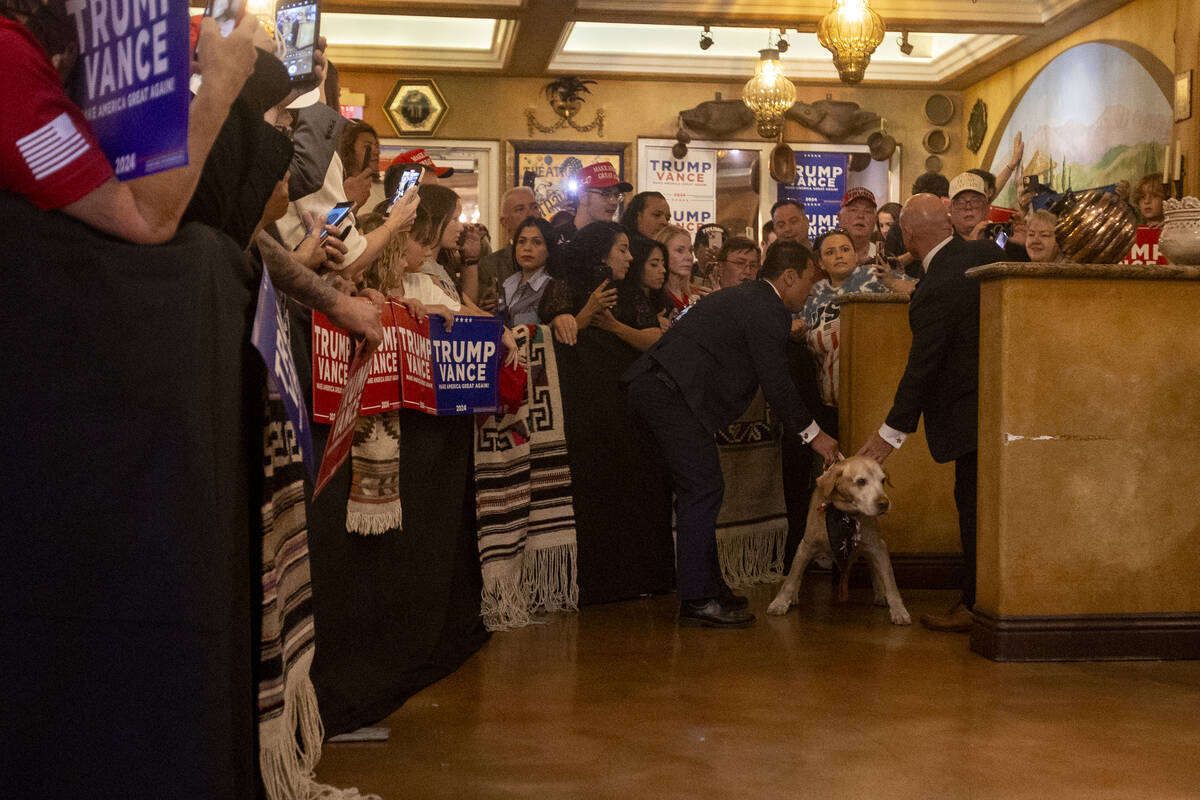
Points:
[831,701]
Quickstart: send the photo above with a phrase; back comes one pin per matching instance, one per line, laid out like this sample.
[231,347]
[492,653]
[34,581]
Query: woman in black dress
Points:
[622,503]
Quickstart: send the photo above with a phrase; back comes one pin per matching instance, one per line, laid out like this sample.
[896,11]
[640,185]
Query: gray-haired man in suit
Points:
[941,379]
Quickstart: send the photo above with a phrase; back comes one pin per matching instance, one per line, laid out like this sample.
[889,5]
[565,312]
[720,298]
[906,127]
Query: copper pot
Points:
[881,145]
[1097,228]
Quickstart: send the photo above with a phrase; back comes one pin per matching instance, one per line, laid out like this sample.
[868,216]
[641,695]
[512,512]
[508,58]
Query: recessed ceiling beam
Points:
[540,32]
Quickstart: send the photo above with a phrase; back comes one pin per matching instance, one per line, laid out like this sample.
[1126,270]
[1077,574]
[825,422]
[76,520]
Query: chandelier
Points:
[768,94]
[851,31]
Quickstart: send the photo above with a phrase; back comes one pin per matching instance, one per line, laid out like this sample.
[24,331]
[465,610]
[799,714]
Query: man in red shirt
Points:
[48,154]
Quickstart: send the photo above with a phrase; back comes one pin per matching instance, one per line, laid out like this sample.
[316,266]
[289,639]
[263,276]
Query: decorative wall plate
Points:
[977,126]
[933,164]
[939,109]
[937,141]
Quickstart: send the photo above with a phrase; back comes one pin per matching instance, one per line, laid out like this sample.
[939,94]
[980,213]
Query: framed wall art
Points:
[547,167]
[415,107]
[1183,96]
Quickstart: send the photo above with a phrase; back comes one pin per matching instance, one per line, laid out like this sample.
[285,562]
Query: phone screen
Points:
[337,215]
[296,23]
[1001,239]
[408,179]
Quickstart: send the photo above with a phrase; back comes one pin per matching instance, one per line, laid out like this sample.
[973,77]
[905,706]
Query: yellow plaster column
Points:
[921,528]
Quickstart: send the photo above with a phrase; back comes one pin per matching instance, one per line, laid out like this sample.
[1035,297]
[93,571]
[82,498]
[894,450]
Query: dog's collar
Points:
[844,531]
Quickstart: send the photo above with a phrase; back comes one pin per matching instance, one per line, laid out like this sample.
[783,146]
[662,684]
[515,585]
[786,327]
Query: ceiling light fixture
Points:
[768,94]
[706,39]
[851,31]
[782,43]
[906,47]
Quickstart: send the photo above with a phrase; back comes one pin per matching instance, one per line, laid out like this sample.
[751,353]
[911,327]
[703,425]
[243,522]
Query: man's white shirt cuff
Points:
[810,433]
[892,436]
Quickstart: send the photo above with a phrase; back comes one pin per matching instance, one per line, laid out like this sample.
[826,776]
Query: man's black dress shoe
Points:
[731,600]
[712,613]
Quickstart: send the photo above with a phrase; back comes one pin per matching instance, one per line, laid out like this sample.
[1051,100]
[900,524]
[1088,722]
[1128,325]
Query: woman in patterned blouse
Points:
[822,316]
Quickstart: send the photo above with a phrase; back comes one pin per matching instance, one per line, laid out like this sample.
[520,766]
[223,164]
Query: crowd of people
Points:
[266,167]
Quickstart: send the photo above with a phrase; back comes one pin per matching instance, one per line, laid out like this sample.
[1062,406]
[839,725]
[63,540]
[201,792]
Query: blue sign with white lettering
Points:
[466,364]
[820,185]
[132,81]
[271,339]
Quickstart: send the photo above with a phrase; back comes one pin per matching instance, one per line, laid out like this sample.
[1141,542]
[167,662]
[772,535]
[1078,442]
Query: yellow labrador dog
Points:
[841,524]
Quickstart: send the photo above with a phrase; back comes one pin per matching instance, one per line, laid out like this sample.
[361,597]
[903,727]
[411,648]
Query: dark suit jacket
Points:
[941,379]
[722,349]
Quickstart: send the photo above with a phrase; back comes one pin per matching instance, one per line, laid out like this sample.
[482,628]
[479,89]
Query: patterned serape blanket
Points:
[523,499]
[289,723]
[752,527]
[374,504]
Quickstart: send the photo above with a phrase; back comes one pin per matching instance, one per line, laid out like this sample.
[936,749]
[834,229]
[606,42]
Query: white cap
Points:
[307,99]
[967,182]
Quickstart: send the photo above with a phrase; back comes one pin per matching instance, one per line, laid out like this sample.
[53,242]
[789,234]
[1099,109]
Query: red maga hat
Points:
[859,193]
[418,156]
[601,175]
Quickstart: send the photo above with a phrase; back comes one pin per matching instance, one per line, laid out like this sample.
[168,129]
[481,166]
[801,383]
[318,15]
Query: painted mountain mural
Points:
[1096,113]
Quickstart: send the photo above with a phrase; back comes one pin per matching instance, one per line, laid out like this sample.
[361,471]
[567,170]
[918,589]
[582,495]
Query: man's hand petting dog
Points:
[826,446]
[875,447]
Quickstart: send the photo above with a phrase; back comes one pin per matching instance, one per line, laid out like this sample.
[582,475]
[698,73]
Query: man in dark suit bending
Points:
[941,379]
[698,378]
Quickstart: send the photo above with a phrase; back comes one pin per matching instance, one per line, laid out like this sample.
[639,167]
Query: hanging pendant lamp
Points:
[768,94]
[851,31]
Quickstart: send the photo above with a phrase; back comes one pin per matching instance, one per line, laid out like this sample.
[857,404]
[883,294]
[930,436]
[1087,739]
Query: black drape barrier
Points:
[130,560]
[397,611]
[622,499]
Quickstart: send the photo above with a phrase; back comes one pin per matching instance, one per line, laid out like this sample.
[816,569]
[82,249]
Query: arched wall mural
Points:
[1096,112]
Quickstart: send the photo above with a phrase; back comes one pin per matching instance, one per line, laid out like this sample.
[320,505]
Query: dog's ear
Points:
[828,480]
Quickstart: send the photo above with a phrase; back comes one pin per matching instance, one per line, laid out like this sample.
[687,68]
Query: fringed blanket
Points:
[526,518]
[374,506]
[289,724]
[752,527]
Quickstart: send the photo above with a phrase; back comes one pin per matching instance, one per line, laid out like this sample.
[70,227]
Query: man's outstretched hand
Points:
[876,447]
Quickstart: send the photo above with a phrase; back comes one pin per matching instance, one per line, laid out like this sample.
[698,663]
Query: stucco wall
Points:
[494,108]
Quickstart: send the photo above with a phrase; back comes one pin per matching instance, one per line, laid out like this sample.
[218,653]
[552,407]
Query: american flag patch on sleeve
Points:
[52,146]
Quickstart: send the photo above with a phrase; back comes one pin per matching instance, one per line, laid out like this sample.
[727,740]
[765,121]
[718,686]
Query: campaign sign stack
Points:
[419,365]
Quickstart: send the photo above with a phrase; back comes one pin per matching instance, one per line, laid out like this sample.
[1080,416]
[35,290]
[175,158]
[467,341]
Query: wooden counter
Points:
[1089,418]
[921,529]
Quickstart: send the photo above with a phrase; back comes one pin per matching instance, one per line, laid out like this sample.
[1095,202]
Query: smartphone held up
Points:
[409,179]
[336,216]
[297,26]
[227,13]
